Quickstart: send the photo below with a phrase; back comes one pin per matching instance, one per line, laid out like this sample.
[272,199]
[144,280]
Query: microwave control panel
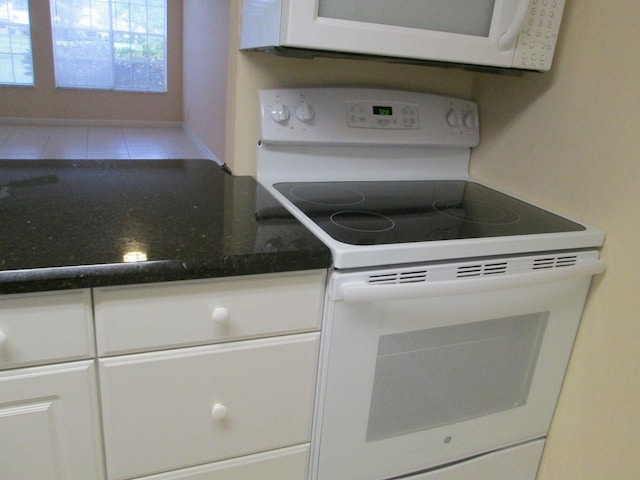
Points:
[538,36]
[353,116]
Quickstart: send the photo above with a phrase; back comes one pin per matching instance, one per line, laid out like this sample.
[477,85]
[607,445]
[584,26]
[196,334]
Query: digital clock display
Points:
[386,111]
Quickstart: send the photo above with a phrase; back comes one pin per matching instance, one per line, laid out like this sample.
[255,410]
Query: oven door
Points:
[428,366]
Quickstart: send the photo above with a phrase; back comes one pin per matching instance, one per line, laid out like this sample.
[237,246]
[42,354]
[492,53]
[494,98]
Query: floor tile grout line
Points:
[161,144]
[44,147]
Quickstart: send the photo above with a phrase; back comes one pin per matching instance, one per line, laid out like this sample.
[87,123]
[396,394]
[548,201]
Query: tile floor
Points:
[95,142]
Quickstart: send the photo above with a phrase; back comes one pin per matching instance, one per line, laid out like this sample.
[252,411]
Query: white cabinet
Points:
[49,417]
[199,380]
[232,396]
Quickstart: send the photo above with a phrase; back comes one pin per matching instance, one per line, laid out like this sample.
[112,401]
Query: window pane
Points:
[16,63]
[110,44]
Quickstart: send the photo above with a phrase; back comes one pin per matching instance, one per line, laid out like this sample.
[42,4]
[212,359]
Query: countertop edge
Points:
[91,276]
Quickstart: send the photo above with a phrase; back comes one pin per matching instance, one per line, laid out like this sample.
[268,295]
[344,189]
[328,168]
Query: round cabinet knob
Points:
[304,112]
[279,113]
[470,120]
[220,315]
[219,411]
[3,339]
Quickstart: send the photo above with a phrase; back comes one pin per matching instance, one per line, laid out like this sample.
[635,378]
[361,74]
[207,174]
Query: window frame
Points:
[111,32]
[28,53]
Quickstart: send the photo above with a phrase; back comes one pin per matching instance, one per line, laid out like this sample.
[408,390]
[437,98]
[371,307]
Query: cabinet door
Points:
[49,423]
[185,407]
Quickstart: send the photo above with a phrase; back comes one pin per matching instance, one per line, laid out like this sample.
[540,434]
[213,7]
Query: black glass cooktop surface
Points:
[388,212]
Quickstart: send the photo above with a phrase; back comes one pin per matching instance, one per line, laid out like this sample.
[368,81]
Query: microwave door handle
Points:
[361,292]
[507,40]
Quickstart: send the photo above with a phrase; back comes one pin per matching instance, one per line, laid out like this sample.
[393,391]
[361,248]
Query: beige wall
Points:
[568,141]
[46,101]
[205,53]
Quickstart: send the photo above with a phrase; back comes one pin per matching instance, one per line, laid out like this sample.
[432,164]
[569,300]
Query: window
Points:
[16,64]
[110,44]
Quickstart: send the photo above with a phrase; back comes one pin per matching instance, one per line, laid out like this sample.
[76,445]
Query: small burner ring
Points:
[361,221]
[475,211]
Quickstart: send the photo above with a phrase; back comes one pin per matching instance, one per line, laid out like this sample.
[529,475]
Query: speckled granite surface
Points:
[71,224]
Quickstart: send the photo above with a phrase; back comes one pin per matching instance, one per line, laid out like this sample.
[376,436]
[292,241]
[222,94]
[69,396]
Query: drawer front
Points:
[284,464]
[185,407]
[143,318]
[519,462]
[45,328]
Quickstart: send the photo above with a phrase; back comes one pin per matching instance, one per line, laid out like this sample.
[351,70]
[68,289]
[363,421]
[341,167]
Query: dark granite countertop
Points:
[71,224]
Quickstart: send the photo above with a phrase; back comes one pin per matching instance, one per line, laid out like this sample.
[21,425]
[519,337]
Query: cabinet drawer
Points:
[284,464]
[166,410]
[153,317]
[43,328]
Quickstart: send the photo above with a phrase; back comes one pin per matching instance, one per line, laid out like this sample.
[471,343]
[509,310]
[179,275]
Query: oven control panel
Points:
[367,114]
[354,116]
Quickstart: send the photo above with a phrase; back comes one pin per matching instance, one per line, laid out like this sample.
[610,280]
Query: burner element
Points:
[362,221]
[323,194]
[476,211]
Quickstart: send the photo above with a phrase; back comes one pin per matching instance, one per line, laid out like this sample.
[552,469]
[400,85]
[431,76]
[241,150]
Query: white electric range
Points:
[451,308]
[408,197]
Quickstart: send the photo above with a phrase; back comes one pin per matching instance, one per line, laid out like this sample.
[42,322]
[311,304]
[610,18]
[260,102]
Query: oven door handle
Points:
[360,291]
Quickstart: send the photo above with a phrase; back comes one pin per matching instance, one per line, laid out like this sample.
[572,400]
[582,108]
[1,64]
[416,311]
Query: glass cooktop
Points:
[388,212]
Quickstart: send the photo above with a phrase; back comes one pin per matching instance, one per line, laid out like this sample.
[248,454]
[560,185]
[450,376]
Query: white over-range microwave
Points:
[504,34]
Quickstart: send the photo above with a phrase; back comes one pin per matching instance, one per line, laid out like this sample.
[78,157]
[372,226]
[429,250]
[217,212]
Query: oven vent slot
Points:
[415,276]
[481,269]
[554,262]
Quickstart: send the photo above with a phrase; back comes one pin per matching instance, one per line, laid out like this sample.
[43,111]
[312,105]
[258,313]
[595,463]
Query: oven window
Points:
[430,378]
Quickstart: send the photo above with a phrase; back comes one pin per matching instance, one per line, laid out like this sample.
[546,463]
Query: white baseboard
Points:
[201,145]
[71,122]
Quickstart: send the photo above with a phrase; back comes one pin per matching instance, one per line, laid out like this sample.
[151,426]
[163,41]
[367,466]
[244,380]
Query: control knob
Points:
[453,120]
[304,112]
[279,113]
[470,120]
